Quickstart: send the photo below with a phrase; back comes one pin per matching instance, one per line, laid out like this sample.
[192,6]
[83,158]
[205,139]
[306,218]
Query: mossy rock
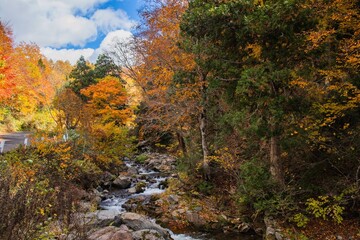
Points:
[140,187]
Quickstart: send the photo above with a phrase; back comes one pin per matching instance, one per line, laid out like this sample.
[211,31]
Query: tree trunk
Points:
[205,164]
[275,166]
[182,143]
[203,125]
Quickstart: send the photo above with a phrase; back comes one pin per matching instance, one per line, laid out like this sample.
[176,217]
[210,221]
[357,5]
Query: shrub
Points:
[255,184]
[326,207]
[300,219]
[204,187]
[32,201]
[107,144]
[141,158]
[39,188]
[257,190]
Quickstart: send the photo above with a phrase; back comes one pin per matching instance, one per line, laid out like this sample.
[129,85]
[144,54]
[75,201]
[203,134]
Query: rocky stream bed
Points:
[138,190]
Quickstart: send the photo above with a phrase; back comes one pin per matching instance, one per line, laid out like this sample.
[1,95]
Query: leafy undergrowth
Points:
[196,208]
[319,229]
[41,189]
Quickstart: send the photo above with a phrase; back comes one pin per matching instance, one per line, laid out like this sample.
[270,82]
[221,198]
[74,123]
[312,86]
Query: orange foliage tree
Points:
[8,64]
[333,45]
[166,107]
[34,88]
[109,113]
[108,101]
[70,109]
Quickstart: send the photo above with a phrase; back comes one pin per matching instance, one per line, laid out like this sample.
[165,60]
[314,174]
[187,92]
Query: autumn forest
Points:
[258,102]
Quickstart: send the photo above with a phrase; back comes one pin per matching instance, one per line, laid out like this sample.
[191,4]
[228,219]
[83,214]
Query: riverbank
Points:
[148,188]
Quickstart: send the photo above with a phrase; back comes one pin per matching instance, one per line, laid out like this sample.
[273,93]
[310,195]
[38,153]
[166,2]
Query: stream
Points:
[116,202]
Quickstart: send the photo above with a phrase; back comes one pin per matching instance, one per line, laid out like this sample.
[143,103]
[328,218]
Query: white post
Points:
[2,145]
[26,142]
[66,135]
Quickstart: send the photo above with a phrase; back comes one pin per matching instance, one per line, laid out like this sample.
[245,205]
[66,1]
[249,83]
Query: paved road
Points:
[9,141]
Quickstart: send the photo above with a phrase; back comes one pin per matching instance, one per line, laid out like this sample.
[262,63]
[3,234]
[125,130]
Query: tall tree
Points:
[168,107]
[82,76]
[70,110]
[333,85]
[8,65]
[253,46]
[60,73]
[105,66]
[108,101]
[34,87]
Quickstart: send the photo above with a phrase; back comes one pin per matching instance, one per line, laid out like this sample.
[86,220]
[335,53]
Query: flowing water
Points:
[115,203]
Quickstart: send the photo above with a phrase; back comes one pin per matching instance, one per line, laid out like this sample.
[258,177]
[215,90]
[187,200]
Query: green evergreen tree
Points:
[252,52]
[105,66]
[82,76]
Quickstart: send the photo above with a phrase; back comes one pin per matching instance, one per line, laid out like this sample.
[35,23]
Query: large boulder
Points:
[160,162]
[195,219]
[140,222]
[111,233]
[121,182]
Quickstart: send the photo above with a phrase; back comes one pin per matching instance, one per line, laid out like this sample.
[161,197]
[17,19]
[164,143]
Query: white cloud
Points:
[109,41]
[71,55]
[109,20]
[115,36]
[54,23]
[82,5]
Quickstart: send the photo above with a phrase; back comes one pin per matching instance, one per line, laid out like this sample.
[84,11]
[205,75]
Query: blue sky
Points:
[131,7]
[67,29]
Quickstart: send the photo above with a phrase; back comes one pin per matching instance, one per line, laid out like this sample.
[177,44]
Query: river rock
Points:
[195,219]
[96,196]
[111,233]
[147,235]
[140,222]
[273,231]
[124,227]
[140,187]
[164,184]
[160,162]
[244,228]
[175,214]
[278,236]
[270,233]
[159,202]
[102,217]
[106,179]
[122,182]
[132,171]
[132,190]
[85,206]
[173,199]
